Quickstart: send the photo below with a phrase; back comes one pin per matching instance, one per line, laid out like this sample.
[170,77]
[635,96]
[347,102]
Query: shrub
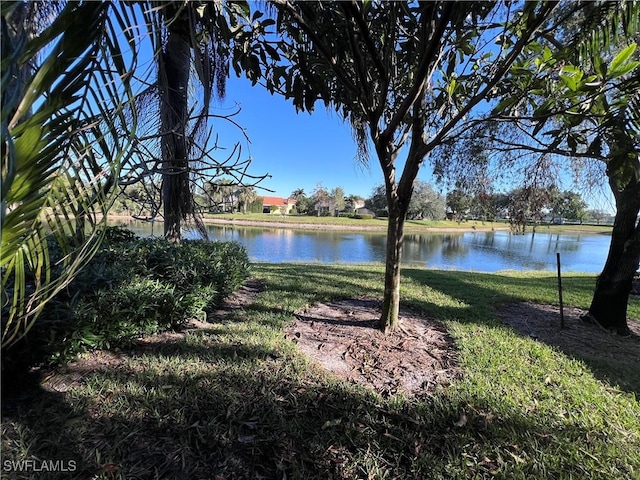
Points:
[363,216]
[118,234]
[117,316]
[255,206]
[133,287]
[382,213]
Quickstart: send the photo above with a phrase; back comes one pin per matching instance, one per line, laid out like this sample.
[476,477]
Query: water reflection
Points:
[420,246]
[479,251]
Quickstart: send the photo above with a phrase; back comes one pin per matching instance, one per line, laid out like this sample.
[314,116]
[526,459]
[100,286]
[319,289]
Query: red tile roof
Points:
[277,201]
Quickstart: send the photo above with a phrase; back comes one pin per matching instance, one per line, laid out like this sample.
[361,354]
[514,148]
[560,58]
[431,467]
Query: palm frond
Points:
[604,25]
[65,134]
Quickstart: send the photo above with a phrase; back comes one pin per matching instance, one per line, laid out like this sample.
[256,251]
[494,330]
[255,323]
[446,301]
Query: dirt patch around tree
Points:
[579,339]
[342,336]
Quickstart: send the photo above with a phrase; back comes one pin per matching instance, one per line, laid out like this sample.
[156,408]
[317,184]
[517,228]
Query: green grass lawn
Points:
[237,401]
[345,221]
[573,228]
[410,225]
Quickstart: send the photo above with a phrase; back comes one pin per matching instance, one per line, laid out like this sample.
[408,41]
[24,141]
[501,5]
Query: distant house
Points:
[323,207]
[357,205]
[279,205]
[365,211]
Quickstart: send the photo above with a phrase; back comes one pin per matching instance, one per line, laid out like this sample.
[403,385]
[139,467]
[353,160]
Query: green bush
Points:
[255,206]
[119,234]
[133,287]
[363,216]
[117,316]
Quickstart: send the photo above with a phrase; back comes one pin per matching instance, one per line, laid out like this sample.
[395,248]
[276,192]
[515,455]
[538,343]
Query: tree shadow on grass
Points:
[335,281]
[40,436]
[611,358]
[207,349]
[274,421]
[202,408]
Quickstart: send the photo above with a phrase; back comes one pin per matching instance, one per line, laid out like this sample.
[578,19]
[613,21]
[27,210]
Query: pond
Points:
[471,251]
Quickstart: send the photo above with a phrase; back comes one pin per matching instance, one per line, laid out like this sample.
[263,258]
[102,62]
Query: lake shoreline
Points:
[328,226]
[359,228]
[461,247]
[410,226]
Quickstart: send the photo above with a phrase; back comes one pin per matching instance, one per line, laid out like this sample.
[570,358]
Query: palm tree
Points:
[66,130]
[297,193]
[190,36]
[302,202]
[246,196]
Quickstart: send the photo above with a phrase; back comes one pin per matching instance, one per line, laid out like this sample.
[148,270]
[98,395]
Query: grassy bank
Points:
[236,400]
[303,221]
[373,223]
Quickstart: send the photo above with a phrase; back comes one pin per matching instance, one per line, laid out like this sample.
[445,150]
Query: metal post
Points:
[560,291]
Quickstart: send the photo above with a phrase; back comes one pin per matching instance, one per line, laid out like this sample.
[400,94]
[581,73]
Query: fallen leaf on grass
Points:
[517,458]
[110,468]
[392,437]
[331,423]
[462,422]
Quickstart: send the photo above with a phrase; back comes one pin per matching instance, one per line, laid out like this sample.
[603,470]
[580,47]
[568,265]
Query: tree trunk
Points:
[398,200]
[609,304]
[174,79]
[395,237]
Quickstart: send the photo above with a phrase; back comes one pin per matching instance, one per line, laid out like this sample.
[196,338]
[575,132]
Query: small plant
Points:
[118,234]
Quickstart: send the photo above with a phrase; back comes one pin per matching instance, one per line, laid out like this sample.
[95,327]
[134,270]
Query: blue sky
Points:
[299,150]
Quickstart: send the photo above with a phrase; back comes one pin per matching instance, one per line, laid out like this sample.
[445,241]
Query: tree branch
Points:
[324,51]
[509,60]
[368,41]
[414,158]
[365,90]
[424,66]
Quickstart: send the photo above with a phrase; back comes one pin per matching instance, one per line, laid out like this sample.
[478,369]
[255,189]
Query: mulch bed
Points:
[343,337]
